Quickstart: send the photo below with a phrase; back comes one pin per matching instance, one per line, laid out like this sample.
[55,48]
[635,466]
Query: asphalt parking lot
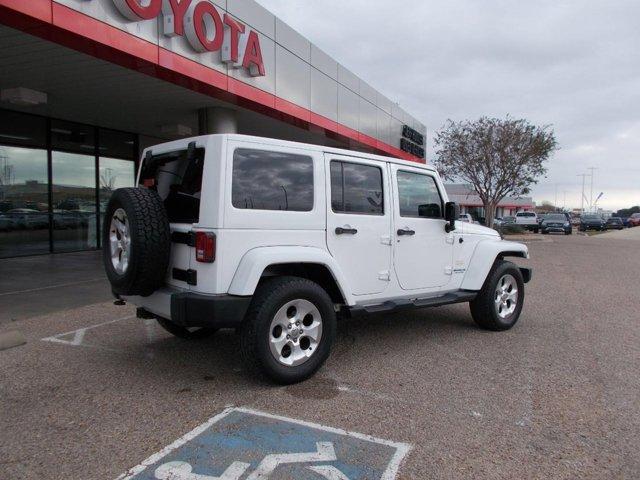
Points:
[94,391]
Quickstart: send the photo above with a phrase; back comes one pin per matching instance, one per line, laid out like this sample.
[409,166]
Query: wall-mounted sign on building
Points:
[412,141]
[205,28]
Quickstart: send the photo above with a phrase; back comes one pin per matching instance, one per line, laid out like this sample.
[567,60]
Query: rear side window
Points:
[177,177]
[356,188]
[266,180]
[418,195]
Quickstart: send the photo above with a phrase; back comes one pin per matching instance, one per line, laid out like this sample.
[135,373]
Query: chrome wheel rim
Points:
[119,241]
[295,332]
[506,297]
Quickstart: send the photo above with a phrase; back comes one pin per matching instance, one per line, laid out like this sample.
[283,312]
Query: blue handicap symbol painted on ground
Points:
[242,444]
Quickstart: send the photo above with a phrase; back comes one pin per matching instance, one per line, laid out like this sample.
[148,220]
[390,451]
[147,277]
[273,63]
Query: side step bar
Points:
[396,305]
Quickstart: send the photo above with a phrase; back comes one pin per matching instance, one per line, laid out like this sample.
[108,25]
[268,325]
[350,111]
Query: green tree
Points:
[499,158]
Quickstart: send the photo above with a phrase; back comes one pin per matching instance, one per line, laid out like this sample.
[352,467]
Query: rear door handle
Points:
[342,231]
[406,231]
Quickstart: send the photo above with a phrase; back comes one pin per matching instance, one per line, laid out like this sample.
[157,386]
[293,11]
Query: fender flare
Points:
[255,261]
[484,257]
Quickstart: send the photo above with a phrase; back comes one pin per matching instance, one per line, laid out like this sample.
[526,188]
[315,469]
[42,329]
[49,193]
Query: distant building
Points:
[469,201]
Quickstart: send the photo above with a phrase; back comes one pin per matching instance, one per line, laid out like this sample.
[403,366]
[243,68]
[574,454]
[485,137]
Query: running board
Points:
[406,304]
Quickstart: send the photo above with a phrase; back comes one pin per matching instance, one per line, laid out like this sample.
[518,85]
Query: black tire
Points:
[255,331]
[483,308]
[184,332]
[150,242]
[535,230]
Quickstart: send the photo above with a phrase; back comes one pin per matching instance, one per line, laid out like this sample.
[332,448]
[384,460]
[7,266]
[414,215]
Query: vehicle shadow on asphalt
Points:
[188,365]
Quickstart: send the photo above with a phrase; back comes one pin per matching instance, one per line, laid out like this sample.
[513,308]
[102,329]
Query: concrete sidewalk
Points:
[43,284]
[626,234]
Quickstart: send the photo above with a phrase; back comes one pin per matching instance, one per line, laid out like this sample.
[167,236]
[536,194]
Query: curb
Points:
[11,339]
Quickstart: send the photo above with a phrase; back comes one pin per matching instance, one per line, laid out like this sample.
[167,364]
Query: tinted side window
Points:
[356,188]
[418,196]
[264,180]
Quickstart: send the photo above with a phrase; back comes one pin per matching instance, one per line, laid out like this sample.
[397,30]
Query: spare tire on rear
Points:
[136,241]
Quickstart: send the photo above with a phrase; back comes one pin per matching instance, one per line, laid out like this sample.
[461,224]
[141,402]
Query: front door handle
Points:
[406,231]
[342,231]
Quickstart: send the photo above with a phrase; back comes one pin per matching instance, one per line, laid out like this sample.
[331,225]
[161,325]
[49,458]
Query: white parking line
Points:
[60,285]
[78,335]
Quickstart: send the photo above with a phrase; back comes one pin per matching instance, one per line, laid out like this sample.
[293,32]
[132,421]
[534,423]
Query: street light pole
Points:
[583,175]
[591,194]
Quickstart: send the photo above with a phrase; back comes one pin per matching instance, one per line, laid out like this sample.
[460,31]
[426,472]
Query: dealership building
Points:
[85,85]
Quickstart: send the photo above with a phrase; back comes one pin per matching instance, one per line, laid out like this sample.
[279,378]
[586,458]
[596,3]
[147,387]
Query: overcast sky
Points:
[573,64]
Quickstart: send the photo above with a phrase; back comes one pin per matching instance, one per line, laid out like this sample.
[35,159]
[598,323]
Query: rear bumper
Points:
[190,309]
[217,311]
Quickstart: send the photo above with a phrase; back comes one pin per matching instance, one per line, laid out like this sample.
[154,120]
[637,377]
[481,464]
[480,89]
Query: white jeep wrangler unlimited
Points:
[278,239]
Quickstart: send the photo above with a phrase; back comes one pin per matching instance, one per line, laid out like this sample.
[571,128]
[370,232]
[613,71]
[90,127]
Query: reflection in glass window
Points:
[356,188]
[24,204]
[73,136]
[418,195]
[114,174]
[116,144]
[22,129]
[264,180]
[74,201]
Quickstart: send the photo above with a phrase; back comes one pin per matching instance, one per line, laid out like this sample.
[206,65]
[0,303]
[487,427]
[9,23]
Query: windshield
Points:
[591,217]
[526,214]
[556,218]
[178,180]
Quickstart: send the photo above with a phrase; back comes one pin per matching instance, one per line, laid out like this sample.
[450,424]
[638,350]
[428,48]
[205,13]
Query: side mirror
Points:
[451,214]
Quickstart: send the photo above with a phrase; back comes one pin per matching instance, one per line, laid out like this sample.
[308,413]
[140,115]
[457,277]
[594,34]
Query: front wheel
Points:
[289,329]
[498,305]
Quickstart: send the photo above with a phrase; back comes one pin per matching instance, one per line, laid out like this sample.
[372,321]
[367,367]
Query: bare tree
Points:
[497,157]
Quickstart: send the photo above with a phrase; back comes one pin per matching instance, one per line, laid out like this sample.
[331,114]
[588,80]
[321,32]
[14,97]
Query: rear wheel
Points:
[188,333]
[498,305]
[289,329]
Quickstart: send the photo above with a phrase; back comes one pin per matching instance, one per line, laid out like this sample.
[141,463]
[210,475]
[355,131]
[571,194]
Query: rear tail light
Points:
[205,247]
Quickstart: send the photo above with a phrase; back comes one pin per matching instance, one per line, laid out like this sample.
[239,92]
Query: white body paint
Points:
[370,267]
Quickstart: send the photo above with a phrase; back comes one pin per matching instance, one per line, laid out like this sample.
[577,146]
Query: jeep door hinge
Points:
[384,276]
[448,270]
[188,238]
[385,240]
[449,239]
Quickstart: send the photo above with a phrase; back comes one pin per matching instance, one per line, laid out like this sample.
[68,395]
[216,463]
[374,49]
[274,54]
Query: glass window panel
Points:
[265,180]
[24,207]
[116,144]
[114,174]
[22,129]
[418,196]
[356,188]
[74,201]
[72,136]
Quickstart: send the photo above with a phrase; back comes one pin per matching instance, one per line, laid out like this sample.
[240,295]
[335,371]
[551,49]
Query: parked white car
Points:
[528,220]
[466,217]
[279,239]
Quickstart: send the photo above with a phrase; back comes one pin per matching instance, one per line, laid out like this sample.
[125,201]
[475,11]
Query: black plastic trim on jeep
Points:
[190,309]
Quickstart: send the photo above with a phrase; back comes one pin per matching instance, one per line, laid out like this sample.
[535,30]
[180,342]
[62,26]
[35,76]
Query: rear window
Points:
[267,180]
[177,177]
[525,214]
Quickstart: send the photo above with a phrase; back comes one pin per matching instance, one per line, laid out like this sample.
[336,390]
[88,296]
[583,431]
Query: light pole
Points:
[591,194]
[583,175]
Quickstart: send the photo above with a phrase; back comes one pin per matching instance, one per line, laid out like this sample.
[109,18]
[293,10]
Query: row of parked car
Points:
[31,219]
[564,222]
